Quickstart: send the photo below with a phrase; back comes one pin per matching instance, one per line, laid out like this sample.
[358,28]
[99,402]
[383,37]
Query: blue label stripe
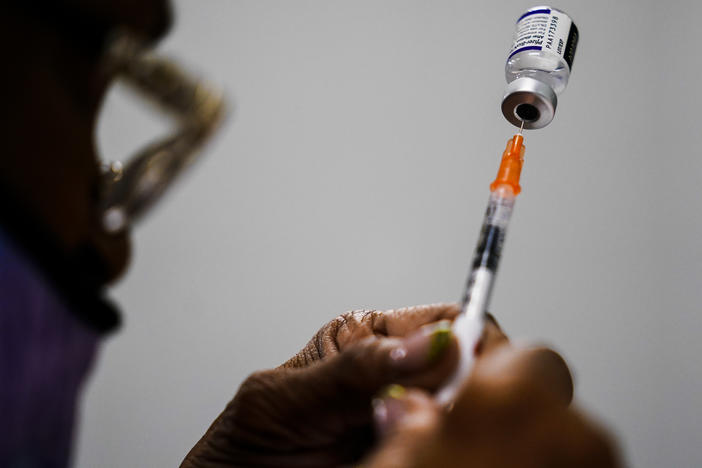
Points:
[522,49]
[545,11]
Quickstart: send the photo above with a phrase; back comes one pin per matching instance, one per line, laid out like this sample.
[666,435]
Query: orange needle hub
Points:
[511,165]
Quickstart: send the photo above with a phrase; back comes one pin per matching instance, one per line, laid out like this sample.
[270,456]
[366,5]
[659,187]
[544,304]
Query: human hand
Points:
[315,410]
[512,412]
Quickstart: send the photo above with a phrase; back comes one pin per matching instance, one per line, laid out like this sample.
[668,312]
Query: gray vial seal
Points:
[530,101]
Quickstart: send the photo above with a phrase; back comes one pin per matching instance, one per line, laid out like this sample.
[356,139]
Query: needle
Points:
[521,128]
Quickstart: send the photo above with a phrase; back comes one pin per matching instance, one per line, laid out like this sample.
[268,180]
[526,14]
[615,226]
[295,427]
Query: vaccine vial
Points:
[538,66]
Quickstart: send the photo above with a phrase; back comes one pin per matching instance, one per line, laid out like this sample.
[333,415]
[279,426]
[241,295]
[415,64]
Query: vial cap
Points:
[530,101]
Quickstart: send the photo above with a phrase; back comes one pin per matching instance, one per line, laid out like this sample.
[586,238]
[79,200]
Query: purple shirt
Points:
[45,355]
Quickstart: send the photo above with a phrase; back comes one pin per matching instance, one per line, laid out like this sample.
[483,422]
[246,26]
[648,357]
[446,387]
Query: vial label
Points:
[547,30]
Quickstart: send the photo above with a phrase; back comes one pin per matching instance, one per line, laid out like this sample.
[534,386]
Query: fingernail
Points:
[440,339]
[388,408]
[423,347]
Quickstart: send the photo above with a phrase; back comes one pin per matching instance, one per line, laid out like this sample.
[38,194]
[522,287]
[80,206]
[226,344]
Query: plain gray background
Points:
[354,173]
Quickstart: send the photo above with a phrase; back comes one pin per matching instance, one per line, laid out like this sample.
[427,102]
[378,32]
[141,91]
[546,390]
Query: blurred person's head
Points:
[52,87]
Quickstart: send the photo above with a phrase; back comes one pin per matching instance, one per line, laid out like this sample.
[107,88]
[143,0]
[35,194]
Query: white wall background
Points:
[354,175]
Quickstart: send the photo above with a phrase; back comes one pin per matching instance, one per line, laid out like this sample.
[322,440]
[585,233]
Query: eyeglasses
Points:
[130,189]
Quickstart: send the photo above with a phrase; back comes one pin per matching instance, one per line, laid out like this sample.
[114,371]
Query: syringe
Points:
[468,326]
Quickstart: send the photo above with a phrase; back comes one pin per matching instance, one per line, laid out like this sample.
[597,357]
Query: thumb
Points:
[406,420]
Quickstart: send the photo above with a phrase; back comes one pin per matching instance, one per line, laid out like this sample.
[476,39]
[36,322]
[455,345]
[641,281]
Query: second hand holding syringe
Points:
[469,325]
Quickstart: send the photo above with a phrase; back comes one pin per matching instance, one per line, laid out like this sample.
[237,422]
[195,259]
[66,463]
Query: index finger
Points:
[401,322]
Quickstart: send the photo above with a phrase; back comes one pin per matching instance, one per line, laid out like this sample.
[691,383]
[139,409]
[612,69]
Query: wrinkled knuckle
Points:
[372,314]
[358,317]
[348,319]
[356,322]
[334,325]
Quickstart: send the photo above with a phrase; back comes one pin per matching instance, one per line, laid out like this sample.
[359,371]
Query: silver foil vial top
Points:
[530,101]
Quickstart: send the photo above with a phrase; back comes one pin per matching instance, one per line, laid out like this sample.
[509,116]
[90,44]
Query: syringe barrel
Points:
[468,326]
[489,248]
